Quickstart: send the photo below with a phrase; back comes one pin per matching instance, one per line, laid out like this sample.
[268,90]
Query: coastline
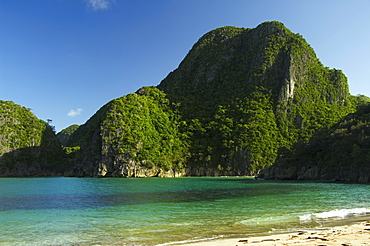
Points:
[347,235]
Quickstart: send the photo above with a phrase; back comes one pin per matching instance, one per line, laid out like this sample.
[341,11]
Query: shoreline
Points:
[353,234]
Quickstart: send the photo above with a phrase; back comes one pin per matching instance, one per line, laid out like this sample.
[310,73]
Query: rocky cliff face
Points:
[28,146]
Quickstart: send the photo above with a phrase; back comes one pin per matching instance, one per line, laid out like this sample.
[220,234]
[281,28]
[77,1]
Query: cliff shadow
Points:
[46,159]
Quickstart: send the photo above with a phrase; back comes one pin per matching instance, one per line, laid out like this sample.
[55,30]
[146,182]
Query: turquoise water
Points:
[155,211]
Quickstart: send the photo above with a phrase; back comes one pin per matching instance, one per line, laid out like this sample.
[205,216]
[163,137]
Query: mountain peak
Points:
[218,36]
[221,34]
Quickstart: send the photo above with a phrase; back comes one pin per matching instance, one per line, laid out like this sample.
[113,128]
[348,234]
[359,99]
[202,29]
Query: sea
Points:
[169,211]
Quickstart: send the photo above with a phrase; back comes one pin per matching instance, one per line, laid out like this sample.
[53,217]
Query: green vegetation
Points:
[63,136]
[362,100]
[245,93]
[238,97]
[338,153]
[137,130]
[28,146]
[142,127]
[346,143]
[19,127]
[240,100]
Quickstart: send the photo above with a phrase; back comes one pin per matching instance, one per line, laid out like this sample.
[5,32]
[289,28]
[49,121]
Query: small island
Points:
[244,101]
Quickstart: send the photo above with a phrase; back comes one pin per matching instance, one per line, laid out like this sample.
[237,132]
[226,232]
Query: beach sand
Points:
[349,235]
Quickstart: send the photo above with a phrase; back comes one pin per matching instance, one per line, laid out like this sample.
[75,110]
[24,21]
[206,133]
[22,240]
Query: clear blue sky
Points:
[65,59]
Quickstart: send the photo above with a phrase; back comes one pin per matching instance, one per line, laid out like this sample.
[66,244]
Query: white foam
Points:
[337,213]
[306,217]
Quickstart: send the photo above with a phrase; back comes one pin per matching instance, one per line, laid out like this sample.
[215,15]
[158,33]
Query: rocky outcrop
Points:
[131,169]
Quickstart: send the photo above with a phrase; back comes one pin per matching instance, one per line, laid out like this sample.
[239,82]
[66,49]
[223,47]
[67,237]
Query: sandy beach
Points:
[348,235]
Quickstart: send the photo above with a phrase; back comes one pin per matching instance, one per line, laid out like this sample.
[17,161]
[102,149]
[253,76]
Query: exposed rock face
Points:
[128,168]
[131,170]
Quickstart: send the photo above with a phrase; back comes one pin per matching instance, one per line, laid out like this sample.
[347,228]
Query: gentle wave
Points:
[335,214]
[191,241]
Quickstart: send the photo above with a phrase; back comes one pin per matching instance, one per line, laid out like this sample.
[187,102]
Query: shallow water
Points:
[153,211]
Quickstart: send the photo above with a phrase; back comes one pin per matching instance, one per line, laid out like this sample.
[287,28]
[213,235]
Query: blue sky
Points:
[65,59]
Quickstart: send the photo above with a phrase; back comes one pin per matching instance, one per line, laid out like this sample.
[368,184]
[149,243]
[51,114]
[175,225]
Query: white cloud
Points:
[98,4]
[74,113]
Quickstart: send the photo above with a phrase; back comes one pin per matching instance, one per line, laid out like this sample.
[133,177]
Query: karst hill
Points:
[238,97]
[241,99]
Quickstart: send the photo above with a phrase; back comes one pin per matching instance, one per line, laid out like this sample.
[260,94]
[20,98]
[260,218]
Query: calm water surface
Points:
[154,211]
